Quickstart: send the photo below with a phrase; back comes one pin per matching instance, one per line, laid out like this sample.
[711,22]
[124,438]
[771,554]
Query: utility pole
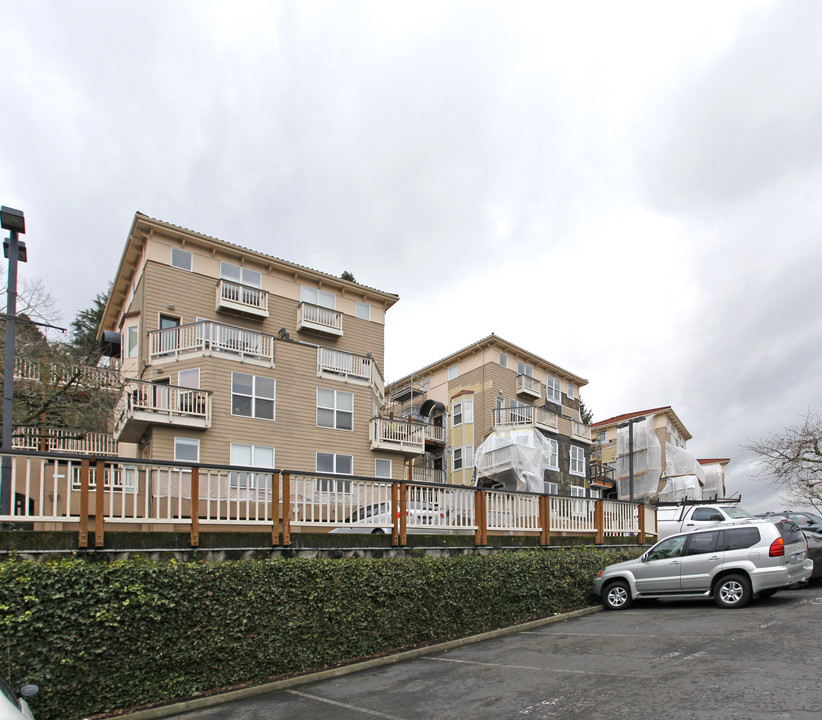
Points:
[14,221]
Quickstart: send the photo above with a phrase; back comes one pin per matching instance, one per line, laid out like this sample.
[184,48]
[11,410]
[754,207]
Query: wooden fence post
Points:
[403,508]
[100,502]
[599,521]
[480,515]
[82,540]
[545,520]
[195,507]
[275,509]
[286,509]
[395,514]
[641,511]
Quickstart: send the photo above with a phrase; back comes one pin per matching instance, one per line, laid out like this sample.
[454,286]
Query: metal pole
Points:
[8,374]
[631,459]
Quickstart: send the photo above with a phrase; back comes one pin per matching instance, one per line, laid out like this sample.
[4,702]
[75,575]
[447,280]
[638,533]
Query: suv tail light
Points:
[777,548]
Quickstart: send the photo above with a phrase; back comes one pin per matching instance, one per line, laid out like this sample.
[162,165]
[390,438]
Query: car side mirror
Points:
[28,691]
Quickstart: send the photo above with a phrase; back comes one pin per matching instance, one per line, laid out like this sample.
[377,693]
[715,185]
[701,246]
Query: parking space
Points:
[672,660]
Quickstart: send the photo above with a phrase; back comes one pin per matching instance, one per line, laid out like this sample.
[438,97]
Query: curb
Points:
[278,685]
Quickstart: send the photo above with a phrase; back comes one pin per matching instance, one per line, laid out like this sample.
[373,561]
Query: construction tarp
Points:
[516,458]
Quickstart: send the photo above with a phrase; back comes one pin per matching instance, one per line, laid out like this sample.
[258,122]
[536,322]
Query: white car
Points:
[13,705]
[420,517]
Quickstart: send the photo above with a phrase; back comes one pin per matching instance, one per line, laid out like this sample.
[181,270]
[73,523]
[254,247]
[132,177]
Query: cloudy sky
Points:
[630,190]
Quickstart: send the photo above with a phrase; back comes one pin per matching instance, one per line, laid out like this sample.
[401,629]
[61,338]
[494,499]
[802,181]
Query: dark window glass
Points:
[708,514]
[703,542]
[739,538]
[790,532]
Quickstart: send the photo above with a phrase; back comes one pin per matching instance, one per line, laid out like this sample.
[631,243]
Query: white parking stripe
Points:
[526,667]
[345,705]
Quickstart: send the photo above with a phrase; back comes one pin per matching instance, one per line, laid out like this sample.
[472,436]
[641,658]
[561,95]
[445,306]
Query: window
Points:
[571,392]
[181,258]
[463,412]
[456,414]
[186,449]
[707,515]
[670,548]
[594,493]
[704,542]
[382,468]
[318,297]
[335,409]
[253,396]
[551,488]
[553,453]
[251,456]
[553,388]
[524,369]
[240,275]
[336,465]
[453,371]
[503,360]
[740,538]
[169,321]
[363,311]
[189,378]
[577,466]
[463,457]
[132,340]
[577,491]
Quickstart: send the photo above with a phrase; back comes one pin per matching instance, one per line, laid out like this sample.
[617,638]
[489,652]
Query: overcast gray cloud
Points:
[627,189]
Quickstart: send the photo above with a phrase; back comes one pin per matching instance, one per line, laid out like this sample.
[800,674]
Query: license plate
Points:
[798,557]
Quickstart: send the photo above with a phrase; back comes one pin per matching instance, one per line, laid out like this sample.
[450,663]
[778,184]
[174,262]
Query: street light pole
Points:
[13,221]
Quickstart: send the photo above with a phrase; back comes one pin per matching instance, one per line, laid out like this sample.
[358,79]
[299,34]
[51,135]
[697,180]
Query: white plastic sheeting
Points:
[517,458]
[714,481]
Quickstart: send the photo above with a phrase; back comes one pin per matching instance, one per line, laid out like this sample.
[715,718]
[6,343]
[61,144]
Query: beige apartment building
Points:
[232,356]
[663,468]
[494,386]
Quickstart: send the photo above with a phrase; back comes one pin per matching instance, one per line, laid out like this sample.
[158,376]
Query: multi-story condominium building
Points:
[663,469]
[232,356]
[494,386]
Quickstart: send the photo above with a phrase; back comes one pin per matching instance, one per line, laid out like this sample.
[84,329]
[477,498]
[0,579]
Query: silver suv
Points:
[730,562]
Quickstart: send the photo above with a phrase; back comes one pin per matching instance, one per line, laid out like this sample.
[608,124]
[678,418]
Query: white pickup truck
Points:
[684,518]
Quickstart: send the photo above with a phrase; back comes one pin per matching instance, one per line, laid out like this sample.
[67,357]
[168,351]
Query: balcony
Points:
[80,376]
[527,385]
[210,338]
[526,417]
[242,299]
[63,441]
[397,436]
[427,475]
[580,431]
[600,477]
[313,318]
[434,434]
[347,367]
[143,404]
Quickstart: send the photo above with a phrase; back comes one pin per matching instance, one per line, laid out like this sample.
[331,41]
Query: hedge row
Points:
[101,637]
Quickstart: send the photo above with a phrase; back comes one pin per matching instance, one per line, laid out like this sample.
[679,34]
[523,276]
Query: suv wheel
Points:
[617,596]
[732,591]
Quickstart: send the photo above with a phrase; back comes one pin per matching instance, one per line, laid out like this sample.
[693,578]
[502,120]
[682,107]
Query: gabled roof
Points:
[711,461]
[146,224]
[488,340]
[667,409]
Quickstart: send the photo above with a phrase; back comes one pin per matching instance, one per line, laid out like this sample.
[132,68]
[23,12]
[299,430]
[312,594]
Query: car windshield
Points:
[736,512]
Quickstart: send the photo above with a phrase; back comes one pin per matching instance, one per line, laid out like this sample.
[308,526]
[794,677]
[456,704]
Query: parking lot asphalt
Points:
[670,659]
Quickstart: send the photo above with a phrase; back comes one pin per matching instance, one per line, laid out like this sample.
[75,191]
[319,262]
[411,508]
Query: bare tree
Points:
[792,459]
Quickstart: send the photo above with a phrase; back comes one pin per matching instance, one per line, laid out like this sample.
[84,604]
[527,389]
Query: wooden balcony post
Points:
[403,508]
[481,535]
[395,514]
[641,511]
[545,520]
[599,521]
[286,509]
[275,509]
[82,540]
[100,502]
[195,507]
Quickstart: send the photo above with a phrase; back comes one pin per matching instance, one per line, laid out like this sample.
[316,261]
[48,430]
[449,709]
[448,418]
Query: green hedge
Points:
[99,637]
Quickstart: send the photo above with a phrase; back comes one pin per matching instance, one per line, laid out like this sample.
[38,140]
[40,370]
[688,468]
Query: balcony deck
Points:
[397,436]
[210,338]
[526,417]
[143,404]
[317,319]
[241,299]
[527,385]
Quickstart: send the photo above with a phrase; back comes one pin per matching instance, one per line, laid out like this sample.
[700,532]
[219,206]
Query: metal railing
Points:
[210,338]
[242,297]
[102,492]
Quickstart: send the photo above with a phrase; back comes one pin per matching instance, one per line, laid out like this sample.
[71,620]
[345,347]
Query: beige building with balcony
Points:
[232,356]
[454,404]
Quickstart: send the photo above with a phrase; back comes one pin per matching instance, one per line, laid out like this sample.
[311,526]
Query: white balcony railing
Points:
[528,385]
[345,364]
[529,416]
[580,431]
[248,300]
[210,338]
[319,319]
[144,403]
[83,376]
[397,435]
[63,441]
[434,433]
[427,475]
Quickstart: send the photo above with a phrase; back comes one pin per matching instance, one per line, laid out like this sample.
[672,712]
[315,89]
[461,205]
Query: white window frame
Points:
[242,276]
[503,360]
[315,296]
[363,311]
[577,491]
[468,411]
[576,461]
[186,442]
[464,454]
[182,383]
[553,457]
[596,494]
[132,341]
[246,480]
[525,369]
[456,457]
[553,388]
[571,392]
[551,488]
[453,372]
[255,397]
[333,486]
[180,253]
[383,474]
[335,409]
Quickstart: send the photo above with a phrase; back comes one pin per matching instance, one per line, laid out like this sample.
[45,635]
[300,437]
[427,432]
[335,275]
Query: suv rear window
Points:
[739,538]
[789,531]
